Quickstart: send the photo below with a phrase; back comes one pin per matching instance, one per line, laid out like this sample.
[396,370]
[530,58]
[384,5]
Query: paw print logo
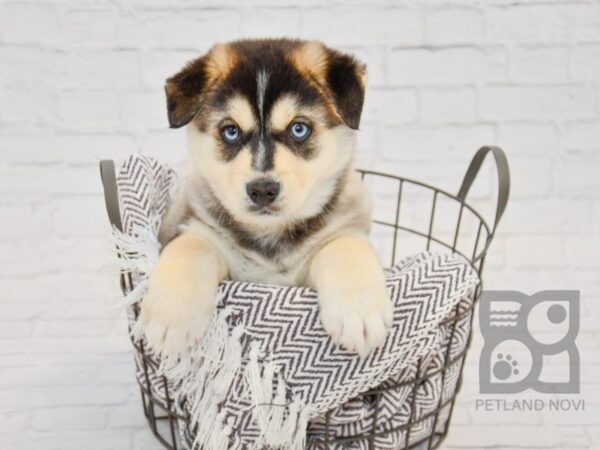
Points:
[523,332]
[505,367]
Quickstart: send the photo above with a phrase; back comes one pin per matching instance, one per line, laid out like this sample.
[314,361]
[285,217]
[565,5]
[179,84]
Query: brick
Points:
[78,217]
[429,143]
[34,64]
[585,64]
[169,146]
[13,330]
[142,441]
[581,254]
[158,65]
[419,66]
[27,104]
[22,181]
[22,257]
[540,64]
[504,419]
[89,148]
[13,423]
[63,328]
[23,221]
[594,433]
[532,177]
[447,26]
[442,105]
[127,417]
[98,69]
[68,440]
[347,25]
[118,373]
[549,216]
[279,22]
[93,110]
[30,23]
[65,345]
[65,396]
[390,106]
[578,179]
[582,137]
[596,218]
[528,139]
[55,419]
[537,252]
[542,102]
[584,21]
[49,376]
[18,312]
[479,437]
[495,60]
[43,148]
[94,308]
[89,26]
[186,27]
[367,144]
[144,109]
[528,23]
[27,147]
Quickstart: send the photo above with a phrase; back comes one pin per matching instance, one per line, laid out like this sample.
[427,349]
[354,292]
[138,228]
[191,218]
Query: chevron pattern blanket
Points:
[266,372]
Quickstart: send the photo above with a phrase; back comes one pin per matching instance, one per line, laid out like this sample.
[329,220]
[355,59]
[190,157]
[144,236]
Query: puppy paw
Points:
[358,318]
[176,316]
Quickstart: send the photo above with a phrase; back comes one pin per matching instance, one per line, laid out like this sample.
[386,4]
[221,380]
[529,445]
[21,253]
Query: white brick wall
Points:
[81,80]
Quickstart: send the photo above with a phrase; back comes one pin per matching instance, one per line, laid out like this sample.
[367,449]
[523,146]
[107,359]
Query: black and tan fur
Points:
[312,231]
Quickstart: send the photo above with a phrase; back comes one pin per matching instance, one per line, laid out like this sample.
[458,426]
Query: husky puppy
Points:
[271,195]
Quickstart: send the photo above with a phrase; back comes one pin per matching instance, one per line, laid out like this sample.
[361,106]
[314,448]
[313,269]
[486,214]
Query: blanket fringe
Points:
[207,372]
[138,252]
[282,424]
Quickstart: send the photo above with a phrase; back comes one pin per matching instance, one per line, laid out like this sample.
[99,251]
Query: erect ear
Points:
[185,92]
[346,78]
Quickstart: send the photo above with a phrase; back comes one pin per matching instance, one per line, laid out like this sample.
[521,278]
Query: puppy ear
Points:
[346,78]
[185,92]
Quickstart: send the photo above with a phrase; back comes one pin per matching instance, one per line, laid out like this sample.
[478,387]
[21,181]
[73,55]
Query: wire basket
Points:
[448,223]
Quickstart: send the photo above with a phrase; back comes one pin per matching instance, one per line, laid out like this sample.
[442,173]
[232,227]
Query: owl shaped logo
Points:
[529,342]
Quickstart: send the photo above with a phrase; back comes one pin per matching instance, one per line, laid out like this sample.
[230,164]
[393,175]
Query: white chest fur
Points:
[290,265]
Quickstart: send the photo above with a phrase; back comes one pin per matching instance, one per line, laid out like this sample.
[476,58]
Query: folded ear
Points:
[185,92]
[341,77]
[346,78]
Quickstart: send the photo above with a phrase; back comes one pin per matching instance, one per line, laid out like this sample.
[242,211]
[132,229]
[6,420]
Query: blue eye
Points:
[230,134]
[299,131]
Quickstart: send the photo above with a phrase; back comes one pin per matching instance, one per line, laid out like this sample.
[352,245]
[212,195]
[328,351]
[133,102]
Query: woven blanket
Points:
[266,372]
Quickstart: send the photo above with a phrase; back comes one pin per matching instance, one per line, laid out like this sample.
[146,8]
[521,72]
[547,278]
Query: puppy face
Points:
[271,126]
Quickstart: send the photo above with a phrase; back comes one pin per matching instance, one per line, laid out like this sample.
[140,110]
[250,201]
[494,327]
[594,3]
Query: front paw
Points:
[358,318]
[175,316]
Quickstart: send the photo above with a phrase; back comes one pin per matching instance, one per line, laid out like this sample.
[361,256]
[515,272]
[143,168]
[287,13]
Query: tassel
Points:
[299,441]
[232,362]
[252,376]
[138,249]
[206,373]
[288,428]
[277,413]
[222,440]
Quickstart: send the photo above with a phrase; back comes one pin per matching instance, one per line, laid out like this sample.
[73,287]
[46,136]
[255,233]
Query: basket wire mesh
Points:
[164,417]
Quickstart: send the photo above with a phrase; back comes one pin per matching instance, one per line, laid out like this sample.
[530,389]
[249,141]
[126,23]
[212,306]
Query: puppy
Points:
[271,195]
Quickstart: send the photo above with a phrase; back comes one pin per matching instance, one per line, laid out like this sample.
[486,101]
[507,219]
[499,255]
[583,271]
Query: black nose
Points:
[263,192]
